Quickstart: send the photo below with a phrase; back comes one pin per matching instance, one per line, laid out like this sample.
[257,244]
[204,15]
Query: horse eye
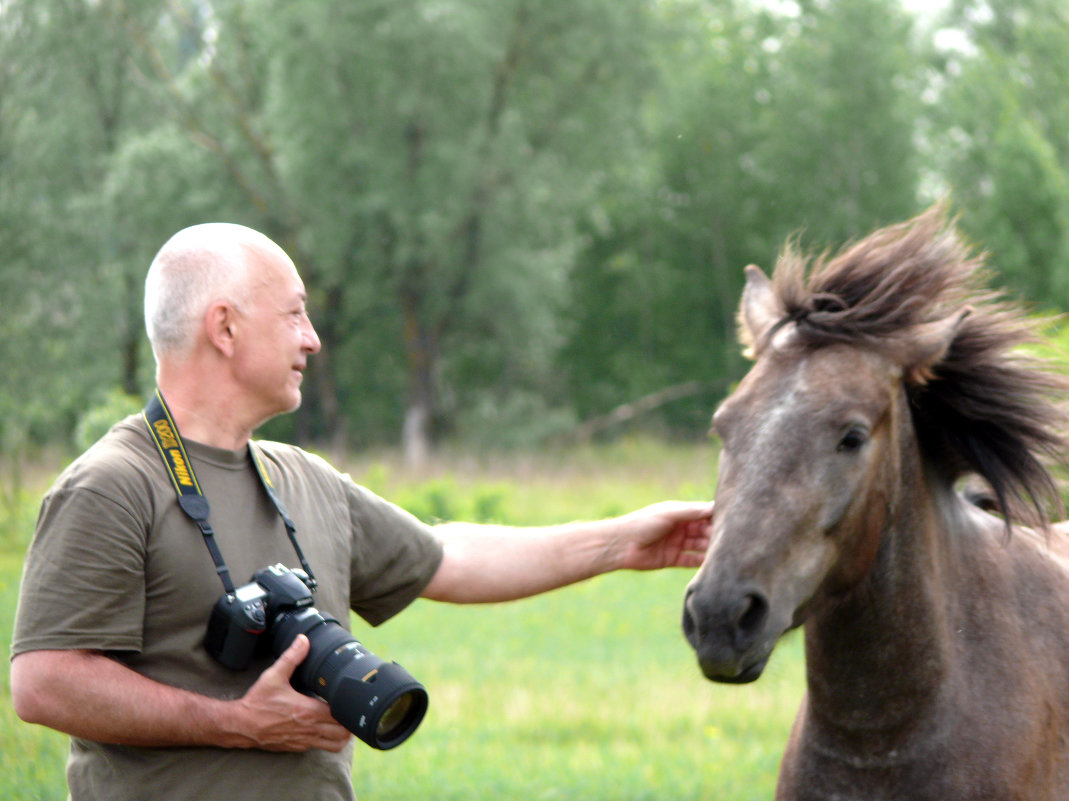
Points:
[852,441]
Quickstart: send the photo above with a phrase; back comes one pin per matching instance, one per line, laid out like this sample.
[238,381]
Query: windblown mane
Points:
[987,407]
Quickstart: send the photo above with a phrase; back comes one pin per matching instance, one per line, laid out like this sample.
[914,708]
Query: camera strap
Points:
[164,432]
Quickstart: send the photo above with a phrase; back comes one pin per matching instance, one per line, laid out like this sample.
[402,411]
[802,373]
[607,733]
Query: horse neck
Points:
[876,658]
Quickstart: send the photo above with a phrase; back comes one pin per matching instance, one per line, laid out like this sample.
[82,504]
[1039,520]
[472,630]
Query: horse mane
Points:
[988,406]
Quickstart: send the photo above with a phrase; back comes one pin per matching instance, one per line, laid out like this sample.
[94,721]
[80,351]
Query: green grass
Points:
[587,692]
[31,757]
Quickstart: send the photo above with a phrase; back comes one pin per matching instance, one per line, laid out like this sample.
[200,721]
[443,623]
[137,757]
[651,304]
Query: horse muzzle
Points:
[730,632]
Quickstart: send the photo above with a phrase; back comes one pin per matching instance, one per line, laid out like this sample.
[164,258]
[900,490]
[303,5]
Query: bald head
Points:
[199,266]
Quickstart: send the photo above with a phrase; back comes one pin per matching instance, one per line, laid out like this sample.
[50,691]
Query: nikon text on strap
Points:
[191,498]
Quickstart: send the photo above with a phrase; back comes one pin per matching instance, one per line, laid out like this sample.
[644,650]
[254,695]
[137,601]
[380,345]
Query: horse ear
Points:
[759,309]
[927,345]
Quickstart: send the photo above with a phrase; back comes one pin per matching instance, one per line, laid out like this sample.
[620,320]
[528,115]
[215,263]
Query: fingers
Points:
[287,663]
[699,511]
[676,516]
[278,718]
[690,524]
[693,542]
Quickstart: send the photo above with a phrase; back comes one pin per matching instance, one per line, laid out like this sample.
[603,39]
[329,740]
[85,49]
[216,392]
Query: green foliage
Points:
[97,420]
[547,486]
[766,124]
[1002,144]
[445,216]
[18,514]
[511,216]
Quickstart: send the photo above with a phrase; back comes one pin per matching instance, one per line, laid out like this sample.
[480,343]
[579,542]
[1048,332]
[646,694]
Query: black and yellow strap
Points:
[191,498]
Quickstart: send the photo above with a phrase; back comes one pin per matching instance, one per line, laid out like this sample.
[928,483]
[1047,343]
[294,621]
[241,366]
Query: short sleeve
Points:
[83,581]
[394,556]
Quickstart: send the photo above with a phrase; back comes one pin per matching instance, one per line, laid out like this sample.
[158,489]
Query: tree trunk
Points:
[325,402]
[416,439]
[132,332]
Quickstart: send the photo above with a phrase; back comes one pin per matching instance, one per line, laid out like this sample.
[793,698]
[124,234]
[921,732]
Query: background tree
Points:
[513,216]
[464,141]
[768,125]
[1002,144]
[66,99]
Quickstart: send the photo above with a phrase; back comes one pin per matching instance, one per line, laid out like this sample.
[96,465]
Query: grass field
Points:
[589,692]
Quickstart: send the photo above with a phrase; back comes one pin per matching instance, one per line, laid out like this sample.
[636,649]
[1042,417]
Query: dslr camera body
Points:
[377,701]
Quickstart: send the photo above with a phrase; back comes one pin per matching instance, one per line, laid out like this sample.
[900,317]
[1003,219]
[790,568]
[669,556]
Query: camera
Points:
[377,701]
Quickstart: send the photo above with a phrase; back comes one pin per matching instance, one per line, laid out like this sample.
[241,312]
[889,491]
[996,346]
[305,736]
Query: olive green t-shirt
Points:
[116,566]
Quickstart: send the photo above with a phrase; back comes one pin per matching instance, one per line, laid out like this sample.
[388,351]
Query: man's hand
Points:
[668,534]
[275,717]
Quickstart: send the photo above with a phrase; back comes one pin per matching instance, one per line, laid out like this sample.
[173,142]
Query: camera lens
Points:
[392,718]
[382,707]
[377,701]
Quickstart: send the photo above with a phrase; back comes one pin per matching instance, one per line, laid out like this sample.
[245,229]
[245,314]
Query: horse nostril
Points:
[751,619]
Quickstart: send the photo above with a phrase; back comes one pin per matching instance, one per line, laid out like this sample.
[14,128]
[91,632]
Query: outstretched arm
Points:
[87,694]
[497,563]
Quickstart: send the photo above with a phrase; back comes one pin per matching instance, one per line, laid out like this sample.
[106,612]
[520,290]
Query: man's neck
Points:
[207,430]
[205,412]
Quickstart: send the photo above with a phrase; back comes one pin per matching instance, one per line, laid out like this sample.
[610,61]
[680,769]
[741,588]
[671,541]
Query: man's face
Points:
[275,337]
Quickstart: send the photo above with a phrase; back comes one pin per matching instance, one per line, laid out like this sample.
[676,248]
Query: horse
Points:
[936,630]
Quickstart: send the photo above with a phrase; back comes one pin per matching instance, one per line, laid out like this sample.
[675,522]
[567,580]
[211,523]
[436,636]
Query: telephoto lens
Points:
[378,701]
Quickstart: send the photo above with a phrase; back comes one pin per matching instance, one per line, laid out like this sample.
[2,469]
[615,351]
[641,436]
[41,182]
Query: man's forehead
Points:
[279,278]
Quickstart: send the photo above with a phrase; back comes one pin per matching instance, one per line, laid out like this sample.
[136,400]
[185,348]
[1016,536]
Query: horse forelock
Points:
[881,286]
[985,406]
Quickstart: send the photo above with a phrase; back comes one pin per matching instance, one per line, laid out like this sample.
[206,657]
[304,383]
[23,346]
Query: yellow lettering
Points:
[166,435]
[181,472]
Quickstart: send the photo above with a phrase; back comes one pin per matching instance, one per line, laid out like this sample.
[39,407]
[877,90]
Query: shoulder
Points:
[302,474]
[299,475]
[290,459]
[124,460]
[113,489]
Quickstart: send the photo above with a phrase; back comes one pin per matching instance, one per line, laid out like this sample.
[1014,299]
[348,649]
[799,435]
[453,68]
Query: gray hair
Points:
[197,267]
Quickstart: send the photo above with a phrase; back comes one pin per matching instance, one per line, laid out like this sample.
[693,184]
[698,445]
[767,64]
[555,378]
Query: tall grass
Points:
[587,692]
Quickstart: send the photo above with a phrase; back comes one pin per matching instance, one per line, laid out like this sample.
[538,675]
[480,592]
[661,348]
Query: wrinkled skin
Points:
[937,646]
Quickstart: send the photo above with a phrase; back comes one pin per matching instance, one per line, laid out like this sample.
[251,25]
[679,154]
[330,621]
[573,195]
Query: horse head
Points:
[883,378]
[814,441]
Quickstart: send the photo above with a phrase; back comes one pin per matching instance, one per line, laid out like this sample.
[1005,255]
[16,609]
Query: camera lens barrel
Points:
[390,714]
[378,701]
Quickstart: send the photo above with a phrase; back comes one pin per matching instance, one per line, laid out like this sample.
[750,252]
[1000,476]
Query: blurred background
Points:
[518,220]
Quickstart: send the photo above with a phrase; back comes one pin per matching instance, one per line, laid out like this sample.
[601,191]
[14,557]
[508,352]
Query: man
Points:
[118,588]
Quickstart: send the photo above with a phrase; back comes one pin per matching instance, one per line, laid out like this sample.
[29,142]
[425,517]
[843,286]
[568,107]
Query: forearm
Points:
[484,564]
[494,563]
[89,695]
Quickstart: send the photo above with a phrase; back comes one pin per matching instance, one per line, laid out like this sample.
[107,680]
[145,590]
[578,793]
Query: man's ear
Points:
[219,323]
